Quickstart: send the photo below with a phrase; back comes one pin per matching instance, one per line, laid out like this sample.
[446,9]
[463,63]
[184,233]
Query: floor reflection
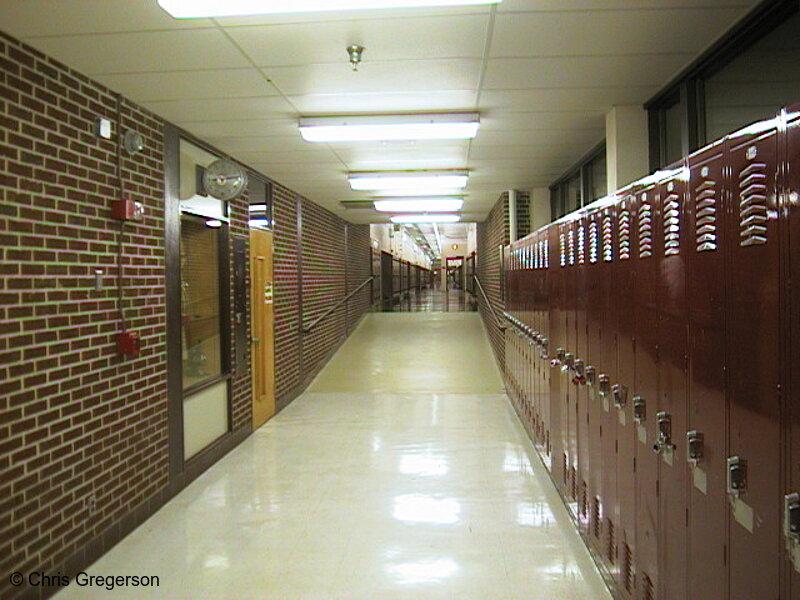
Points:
[434,300]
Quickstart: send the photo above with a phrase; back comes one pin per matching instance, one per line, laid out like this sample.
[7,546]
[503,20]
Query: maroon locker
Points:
[595,290]
[644,395]
[753,334]
[706,436]
[569,393]
[579,375]
[558,340]
[607,375]
[672,406]
[791,198]
[621,396]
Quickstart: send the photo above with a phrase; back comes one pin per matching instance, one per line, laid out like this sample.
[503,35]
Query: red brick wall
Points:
[492,234]
[83,432]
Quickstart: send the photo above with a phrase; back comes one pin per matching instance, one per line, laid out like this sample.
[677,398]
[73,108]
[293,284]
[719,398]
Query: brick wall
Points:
[492,234]
[83,432]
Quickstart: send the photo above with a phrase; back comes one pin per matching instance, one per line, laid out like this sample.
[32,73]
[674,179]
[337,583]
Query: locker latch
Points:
[591,375]
[639,409]
[791,517]
[545,343]
[664,437]
[603,385]
[620,393]
[580,373]
[737,475]
[569,362]
[559,359]
[694,446]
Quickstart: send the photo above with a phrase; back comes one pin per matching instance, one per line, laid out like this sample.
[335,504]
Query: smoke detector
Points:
[355,52]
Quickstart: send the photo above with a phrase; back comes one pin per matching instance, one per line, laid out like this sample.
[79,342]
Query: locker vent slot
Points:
[581,245]
[627,568]
[566,471]
[584,503]
[648,591]
[562,250]
[608,239]
[571,246]
[672,224]
[706,216]
[611,550]
[594,243]
[645,230]
[536,256]
[574,476]
[596,517]
[624,234]
[753,205]
[546,248]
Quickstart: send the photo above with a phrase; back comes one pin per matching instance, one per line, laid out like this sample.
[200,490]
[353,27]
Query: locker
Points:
[579,373]
[671,408]
[753,334]
[569,391]
[621,398]
[558,338]
[706,277]
[644,395]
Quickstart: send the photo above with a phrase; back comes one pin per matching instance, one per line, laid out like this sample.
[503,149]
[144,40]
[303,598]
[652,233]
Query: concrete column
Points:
[541,213]
[627,145]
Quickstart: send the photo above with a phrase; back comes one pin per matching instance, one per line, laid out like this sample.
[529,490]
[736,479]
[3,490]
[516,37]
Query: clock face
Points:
[224,179]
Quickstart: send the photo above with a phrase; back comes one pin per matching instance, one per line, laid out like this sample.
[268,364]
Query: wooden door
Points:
[262,326]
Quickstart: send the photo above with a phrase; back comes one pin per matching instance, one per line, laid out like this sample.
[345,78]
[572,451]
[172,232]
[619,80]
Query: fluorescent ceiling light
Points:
[463,126]
[192,9]
[419,205]
[410,219]
[404,180]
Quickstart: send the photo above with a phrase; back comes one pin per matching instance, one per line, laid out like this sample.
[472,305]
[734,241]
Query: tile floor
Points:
[373,485]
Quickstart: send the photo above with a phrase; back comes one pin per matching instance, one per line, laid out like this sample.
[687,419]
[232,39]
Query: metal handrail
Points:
[333,308]
[500,325]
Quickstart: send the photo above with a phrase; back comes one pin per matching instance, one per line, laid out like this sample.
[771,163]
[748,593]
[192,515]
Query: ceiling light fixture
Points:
[193,9]
[408,180]
[390,128]
[419,205]
[410,219]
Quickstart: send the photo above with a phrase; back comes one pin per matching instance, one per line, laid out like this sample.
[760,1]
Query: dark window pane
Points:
[598,177]
[673,148]
[200,300]
[752,87]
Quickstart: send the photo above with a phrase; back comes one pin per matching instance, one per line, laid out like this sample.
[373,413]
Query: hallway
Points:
[401,473]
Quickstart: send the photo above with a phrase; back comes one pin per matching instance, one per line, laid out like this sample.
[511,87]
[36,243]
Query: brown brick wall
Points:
[83,432]
[492,234]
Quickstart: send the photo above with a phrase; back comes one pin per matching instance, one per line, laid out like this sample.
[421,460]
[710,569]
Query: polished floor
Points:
[434,300]
[401,473]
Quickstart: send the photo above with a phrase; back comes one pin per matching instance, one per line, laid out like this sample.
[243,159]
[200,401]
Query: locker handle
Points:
[791,503]
[639,409]
[737,475]
[591,375]
[604,385]
[580,373]
[694,446]
[620,393]
[664,436]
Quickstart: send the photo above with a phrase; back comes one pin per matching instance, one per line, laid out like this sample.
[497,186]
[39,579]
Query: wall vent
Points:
[581,245]
[627,568]
[706,216]
[648,590]
[753,204]
[611,548]
[672,223]
[624,234]
[608,239]
[596,517]
[645,228]
[594,243]
[571,246]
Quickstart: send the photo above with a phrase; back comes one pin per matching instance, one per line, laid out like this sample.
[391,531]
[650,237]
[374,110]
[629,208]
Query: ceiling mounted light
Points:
[411,219]
[390,128]
[408,180]
[419,205]
[193,9]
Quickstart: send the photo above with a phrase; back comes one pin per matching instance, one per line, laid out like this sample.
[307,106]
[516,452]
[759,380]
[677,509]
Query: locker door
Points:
[753,334]
[673,391]
[791,193]
[579,376]
[644,395]
[558,338]
[708,535]
[595,290]
[607,376]
[621,398]
[571,342]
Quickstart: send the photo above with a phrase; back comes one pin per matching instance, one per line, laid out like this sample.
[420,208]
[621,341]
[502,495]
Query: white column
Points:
[627,145]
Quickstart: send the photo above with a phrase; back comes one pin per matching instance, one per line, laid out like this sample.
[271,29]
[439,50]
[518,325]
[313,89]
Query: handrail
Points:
[500,325]
[333,308]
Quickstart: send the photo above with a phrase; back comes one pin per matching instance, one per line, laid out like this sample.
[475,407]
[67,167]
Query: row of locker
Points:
[651,352]
[395,277]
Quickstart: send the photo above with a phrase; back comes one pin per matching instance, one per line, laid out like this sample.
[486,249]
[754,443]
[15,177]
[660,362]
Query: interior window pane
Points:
[756,84]
[599,176]
[672,133]
[200,300]
[574,200]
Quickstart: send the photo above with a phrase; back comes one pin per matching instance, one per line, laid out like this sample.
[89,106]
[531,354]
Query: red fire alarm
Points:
[129,343]
[127,210]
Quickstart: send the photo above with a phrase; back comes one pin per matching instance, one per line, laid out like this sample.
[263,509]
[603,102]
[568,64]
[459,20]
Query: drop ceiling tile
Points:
[196,49]
[317,156]
[236,144]
[584,71]
[383,39]
[353,15]
[221,109]
[551,138]
[540,152]
[387,77]
[188,85]
[242,128]
[609,32]
[566,99]
[26,18]
[385,101]
[581,5]
[515,121]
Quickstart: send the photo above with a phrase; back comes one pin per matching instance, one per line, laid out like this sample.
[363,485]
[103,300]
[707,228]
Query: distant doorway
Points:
[263,315]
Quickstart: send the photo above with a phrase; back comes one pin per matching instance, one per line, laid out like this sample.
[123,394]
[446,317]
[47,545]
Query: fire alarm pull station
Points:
[129,343]
[127,210]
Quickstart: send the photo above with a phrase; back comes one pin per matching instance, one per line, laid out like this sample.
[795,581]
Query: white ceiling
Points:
[543,73]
